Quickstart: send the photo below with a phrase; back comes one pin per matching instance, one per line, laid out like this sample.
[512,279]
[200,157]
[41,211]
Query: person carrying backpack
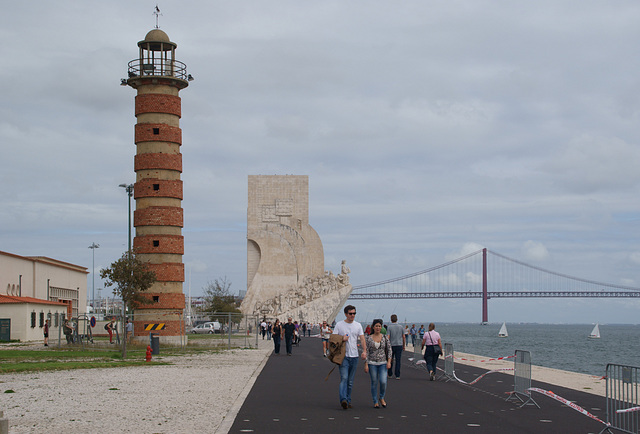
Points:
[109,328]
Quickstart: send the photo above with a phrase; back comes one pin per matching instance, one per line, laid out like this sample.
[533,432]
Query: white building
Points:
[37,288]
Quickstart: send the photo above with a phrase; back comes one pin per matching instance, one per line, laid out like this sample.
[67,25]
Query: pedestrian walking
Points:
[351,331]
[45,331]
[288,331]
[433,349]
[325,332]
[414,332]
[276,332]
[378,362]
[395,333]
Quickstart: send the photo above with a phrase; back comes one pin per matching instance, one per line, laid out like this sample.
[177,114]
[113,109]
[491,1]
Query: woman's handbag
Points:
[436,348]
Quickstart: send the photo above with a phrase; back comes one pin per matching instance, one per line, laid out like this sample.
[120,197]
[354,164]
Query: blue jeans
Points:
[396,352]
[378,374]
[431,358]
[347,372]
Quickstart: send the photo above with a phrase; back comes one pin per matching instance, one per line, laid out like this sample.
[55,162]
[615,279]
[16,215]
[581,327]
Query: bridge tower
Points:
[158,218]
[485,298]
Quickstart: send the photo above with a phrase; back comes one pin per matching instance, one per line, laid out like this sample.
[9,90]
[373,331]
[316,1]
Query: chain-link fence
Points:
[173,331]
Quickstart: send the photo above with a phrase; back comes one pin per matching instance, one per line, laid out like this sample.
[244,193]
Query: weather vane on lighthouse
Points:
[157,13]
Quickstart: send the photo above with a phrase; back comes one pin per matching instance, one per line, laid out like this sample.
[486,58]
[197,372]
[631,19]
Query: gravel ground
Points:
[197,393]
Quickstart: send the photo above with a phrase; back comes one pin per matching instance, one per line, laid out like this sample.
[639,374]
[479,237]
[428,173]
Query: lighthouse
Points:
[158,217]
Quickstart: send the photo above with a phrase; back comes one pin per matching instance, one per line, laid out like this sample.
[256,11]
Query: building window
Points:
[41,322]
[156,243]
[55,319]
[156,187]
[156,298]
[33,320]
[66,294]
[156,131]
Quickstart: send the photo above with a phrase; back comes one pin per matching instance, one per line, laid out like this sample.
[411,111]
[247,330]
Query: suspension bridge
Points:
[472,275]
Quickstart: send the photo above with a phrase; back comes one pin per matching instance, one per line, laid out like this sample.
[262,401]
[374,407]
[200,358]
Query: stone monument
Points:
[285,259]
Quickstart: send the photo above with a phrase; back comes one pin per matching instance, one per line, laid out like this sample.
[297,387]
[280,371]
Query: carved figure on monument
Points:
[343,277]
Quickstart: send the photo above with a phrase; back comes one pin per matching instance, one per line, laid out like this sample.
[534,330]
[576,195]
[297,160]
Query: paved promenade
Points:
[290,395]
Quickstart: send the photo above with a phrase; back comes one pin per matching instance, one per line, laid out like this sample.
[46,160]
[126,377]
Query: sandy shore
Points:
[205,393]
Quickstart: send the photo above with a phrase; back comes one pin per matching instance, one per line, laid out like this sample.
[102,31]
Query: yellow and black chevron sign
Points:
[149,327]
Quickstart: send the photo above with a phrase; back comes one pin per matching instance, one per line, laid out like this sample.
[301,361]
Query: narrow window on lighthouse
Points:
[156,131]
[156,243]
[156,187]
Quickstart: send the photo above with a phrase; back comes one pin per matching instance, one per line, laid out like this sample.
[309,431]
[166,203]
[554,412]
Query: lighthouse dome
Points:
[157,35]
[157,40]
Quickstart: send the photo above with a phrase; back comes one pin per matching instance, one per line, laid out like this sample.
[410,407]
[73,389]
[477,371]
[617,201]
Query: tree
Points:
[217,297]
[129,277]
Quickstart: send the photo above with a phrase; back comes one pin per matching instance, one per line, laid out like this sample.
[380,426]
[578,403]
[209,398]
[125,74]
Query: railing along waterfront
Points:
[623,398]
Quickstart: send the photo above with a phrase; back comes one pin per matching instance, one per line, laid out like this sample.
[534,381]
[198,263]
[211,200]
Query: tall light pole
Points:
[93,248]
[129,190]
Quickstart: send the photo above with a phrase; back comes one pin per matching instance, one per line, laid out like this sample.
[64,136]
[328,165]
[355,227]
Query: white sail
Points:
[595,333]
[503,331]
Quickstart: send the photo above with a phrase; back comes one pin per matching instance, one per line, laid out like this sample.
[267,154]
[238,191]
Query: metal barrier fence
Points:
[522,379]
[224,331]
[623,398]
[418,357]
[449,371]
[230,330]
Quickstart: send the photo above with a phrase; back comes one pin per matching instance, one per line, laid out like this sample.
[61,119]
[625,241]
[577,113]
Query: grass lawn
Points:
[36,360]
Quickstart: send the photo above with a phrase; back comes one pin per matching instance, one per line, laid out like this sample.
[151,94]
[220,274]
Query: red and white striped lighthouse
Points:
[158,218]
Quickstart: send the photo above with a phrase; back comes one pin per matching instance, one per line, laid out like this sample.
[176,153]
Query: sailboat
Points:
[595,333]
[503,331]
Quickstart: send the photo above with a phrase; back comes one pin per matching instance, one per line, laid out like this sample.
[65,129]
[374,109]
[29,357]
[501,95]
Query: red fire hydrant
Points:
[148,356]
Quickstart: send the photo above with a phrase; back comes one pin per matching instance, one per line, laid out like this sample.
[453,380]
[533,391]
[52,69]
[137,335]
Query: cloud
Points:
[534,251]
[421,126]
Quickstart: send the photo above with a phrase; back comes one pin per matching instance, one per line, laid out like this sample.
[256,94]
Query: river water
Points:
[559,346]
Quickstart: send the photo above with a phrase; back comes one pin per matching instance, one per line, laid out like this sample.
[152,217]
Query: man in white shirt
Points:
[350,330]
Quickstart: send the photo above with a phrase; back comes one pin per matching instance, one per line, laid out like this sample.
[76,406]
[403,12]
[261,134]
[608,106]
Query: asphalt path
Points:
[291,395]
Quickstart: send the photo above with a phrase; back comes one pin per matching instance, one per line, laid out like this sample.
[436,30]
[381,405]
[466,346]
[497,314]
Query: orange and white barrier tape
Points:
[478,379]
[628,410]
[568,403]
[487,360]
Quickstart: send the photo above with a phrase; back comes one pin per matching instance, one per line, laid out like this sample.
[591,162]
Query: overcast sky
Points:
[428,129]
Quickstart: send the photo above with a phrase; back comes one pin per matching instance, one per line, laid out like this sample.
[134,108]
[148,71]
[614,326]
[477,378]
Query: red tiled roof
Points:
[8,299]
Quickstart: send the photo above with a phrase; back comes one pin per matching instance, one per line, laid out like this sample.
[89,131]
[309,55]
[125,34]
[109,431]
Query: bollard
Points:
[147,358]
[4,424]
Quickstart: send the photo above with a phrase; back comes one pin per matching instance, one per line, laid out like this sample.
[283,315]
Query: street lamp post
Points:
[93,248]
[129,190]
